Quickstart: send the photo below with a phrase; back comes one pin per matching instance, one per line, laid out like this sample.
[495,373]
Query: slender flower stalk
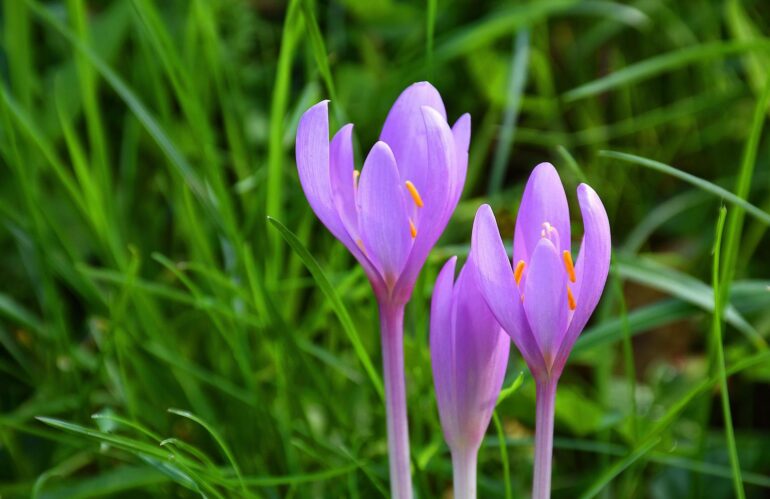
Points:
[543,301]
[544,412]
[469,355]
[389,217]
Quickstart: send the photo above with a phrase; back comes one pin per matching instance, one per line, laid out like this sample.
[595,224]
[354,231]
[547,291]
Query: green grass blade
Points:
[186,171]
[662,63]
[339,308]
[275,151]
[497,24]
[517,81]
[716,326]
[510,389]
[430,34]
[618,467]
[503,455]
[220,442]
[705,185]
[319,49]
[684,286]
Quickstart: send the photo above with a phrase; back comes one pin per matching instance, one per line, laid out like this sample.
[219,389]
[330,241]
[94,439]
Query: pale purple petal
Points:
[313,166]
[404,130]
[442,348]
[431,219]
[592,265]
[383,220]
[469,355]
[545,298]
[543,201]
[342,180]
[481,352]
[498,286]
[312,153]
[461,131]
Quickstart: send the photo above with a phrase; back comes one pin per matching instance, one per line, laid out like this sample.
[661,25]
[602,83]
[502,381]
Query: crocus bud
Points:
[469,354]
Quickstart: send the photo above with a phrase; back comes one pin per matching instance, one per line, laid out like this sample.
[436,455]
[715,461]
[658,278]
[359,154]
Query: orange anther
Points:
[519,271]
[569,266]
[415,194]
[571,299]
[412,229]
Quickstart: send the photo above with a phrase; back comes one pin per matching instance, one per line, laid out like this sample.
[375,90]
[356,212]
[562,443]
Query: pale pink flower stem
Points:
[544,412]
[392,334]
[464,473]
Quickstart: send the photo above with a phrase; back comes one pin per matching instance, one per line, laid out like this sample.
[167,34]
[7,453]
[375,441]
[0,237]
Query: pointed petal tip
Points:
[545,168]
[588,196]
[382,147]
[431,113]
[547,244]
[324,104]
[462,132]
[484,210]
[586,189]
[448,268]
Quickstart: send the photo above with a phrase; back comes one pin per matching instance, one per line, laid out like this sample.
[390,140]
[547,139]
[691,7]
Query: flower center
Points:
[550,232]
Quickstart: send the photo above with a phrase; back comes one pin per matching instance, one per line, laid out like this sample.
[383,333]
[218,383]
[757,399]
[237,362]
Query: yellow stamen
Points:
[415,194]
[356,173]
[519,271]
[412,229]
[571,299]
[360,244]
[568,265]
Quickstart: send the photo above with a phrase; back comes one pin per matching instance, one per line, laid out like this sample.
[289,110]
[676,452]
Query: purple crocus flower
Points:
[469,354]
[544,301]
[389,218]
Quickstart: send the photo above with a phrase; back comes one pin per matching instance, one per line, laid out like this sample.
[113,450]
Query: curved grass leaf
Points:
[683,286]
[339,308]
[705,185]
[662,63]
[220,442]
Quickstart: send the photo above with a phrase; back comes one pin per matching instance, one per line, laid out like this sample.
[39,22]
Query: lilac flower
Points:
[389,218]
[469,354]
[544,301]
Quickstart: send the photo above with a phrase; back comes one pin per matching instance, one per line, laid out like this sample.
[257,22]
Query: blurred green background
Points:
[144,143]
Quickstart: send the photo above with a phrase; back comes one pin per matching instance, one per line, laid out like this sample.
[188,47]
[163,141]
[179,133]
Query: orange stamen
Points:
[569,266]
[519,271]
[415,194]
[360,244]
[412,229]
[571,299]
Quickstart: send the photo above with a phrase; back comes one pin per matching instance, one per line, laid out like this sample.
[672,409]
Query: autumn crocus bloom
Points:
[469,354]
[389,217]
[543,300]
